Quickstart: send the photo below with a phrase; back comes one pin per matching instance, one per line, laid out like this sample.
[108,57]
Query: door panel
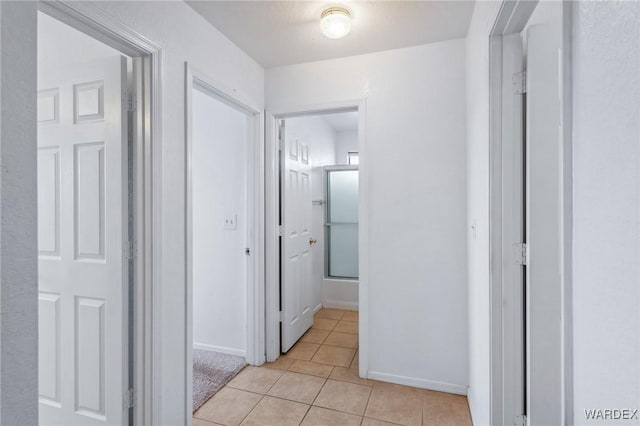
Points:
[49,343]
[544,233]
[82,232]
[49,201]
[296,248]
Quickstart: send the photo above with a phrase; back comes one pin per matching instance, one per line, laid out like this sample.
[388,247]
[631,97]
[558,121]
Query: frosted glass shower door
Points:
[342,221]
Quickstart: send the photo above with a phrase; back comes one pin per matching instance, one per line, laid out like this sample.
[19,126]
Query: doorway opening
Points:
[85,222]
[527,219]
[319,242]
[98,119]
[223,140]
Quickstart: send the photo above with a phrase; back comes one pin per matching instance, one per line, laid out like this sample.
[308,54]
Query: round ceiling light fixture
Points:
[335,22]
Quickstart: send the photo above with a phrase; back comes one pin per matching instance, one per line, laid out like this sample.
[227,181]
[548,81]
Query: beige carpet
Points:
[211,371]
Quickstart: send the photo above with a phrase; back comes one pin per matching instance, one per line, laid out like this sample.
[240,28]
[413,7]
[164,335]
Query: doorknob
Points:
[312,241]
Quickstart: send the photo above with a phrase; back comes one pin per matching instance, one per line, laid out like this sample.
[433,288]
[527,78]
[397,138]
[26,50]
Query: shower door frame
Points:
[325,185]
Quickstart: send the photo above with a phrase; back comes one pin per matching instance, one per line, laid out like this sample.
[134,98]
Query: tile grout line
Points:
[352,358]
[314,399]
[336,346]
[251,411]
[274,383]
[337,411]
[305,414]
[320,391]
[366,407]
[243,390]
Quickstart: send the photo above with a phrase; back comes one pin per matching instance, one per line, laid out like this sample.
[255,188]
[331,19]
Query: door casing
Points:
[511,18]
[272,205]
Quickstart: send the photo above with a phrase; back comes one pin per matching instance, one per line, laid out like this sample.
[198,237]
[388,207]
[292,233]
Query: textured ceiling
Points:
[276,33]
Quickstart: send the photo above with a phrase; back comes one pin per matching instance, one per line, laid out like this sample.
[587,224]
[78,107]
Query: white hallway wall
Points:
[321,138]
[606,206]
[415,128]
[219,182]
[184,36]
[346,141]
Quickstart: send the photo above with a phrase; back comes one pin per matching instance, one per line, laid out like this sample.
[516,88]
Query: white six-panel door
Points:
[81,227]
[296,247]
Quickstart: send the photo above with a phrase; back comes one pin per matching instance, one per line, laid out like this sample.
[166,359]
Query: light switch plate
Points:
[230,222]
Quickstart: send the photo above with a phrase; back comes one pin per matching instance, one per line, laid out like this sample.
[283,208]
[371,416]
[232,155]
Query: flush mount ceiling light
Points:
[335,22]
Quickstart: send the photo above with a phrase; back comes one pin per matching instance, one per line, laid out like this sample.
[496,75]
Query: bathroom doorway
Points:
[318,242]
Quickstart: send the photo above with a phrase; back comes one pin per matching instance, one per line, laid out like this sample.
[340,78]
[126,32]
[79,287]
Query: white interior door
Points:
[544,232]
[296,280]
[82,217]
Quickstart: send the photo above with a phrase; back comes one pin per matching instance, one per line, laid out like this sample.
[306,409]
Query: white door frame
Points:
[255,220]
[272,249]
[88,19]
[512,18]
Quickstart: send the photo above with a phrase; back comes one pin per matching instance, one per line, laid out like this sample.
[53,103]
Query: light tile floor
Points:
[317,383]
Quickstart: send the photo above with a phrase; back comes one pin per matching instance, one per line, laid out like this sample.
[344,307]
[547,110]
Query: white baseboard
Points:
[221,349]
[340,304]
[418,383]
[317,308]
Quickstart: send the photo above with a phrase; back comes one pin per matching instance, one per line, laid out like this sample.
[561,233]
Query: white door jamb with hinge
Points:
[521,253]
[131,101]
[520,420]
[520,82]
[131,250]
[130,399]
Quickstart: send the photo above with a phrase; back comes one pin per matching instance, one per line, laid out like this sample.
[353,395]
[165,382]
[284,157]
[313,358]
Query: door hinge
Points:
[280,230]
[130,399]
[281,316]
[521,253]
[520,83]
[131,250]
[281,137]
[520,420]
[132,101]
